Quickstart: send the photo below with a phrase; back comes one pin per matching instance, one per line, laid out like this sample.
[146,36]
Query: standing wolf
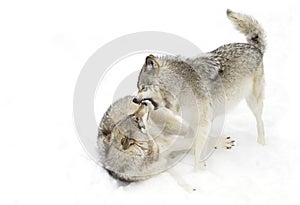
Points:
[218,80]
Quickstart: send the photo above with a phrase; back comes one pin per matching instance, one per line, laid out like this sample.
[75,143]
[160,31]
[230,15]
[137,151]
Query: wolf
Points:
[135,141]
[126,151]
[213,82]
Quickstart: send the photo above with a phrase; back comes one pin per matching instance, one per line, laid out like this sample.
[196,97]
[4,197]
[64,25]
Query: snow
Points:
[43,46]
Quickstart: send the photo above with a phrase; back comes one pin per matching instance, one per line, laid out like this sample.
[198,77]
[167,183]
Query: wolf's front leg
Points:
[170,123]
[201,138]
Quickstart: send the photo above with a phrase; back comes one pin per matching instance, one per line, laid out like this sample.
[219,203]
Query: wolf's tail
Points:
[250,28]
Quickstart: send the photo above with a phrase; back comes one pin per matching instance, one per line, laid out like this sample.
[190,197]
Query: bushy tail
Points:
[250,28]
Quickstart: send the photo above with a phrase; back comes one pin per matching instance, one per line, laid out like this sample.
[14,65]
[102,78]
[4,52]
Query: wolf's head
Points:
[129,147]
[149,87]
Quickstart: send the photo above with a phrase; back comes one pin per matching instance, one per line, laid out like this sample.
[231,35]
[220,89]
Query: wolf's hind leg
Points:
[255,103]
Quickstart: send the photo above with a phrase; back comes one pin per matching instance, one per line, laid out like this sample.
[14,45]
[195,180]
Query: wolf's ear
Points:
[151,65]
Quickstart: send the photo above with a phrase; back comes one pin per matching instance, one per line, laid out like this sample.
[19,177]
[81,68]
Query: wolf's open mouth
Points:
[149,99]
[152,102]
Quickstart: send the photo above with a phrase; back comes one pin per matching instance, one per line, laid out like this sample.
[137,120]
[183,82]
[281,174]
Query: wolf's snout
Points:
[135,100]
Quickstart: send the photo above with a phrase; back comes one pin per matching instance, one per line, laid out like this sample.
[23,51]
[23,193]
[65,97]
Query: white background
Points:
[44,45]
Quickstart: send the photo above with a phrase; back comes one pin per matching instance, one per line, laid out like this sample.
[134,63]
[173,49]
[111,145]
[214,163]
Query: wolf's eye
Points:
[144,89]
[123,140]
[127,142]
[107,139]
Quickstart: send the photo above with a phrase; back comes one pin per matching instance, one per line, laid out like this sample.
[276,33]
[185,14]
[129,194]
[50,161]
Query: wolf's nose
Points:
[135,100]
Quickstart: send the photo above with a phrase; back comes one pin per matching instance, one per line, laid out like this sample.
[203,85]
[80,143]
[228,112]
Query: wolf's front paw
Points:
[225,142]
[229,143]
